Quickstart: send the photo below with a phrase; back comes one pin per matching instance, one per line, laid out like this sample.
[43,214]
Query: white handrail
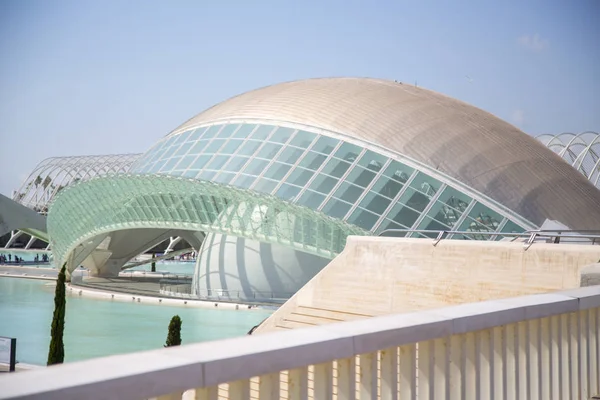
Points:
[205,365]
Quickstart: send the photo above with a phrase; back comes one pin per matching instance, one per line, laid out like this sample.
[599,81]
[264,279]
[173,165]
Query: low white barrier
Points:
[534,347]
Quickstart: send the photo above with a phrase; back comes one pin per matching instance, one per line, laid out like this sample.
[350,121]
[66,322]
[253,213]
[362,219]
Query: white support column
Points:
[574,354]
[545,350]
[565,371]
[454,379]
[594,335]
[584,356]
[207,393]
[554,384]
[298,384]
[368,376]
[534,359]
[239,390]
[498,346]
[389,374]
[346,379]
[425,369]
[510,361]
[408,372]
[483,349]
[440,367]
[522,351]
[268,387]
[468,366]
[323,381]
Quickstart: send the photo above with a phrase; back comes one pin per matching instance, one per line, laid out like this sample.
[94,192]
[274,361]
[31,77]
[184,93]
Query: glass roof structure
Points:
[305,164]
[127,201]
[581,150]
[353,182]
[53,174]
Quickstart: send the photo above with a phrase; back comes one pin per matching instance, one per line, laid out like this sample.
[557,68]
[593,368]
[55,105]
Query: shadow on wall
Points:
[235,268]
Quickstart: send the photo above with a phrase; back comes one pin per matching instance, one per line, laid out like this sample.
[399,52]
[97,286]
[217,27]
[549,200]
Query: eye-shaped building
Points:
[267,185]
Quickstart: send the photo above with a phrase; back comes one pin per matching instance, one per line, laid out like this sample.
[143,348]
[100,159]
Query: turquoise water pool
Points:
[95,328]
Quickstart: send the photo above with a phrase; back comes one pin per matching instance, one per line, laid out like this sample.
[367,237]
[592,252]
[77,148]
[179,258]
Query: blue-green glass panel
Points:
[299,176]
[157,166]
[265,185]
[288,192]
[182,137]
[398,171]
[336,208]
[236,163]
[281,135]
[169,152]
[325,145]
[214,146]
[200,162]
[249,148]
[430,224]
[312,160]
[363,218]
[387,224]
[483,216]
[186,162]
[224,177]
[323,184]
[256,167]
[199,147]
[290,155]
[170,164]
[217,163]
[425,184]
[403,215]
[211,131]
[511,227]
[196,134]
[231,146]
[336,168]
[302,139]
[387,187]
[450,206]
[361,177]
[183,150]
[415,199]
[262,132]
[348,192]
[372,161]
[277,171]
[268,150]
[191,173]
[311,199]
[244,181]
[207,175]
[348,152]
[227,131]
[375,203]
[244,131]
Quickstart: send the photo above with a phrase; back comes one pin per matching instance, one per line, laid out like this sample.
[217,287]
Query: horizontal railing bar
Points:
[157,372]
[528,234]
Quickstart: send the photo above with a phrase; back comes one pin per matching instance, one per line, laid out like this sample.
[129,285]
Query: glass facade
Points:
[341,179]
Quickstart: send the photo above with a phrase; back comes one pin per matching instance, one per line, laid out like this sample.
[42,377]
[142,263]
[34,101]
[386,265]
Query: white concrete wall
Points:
[378,276]
[250,270]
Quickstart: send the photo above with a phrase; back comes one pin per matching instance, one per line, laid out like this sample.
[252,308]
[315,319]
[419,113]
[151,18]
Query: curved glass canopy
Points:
[130,201]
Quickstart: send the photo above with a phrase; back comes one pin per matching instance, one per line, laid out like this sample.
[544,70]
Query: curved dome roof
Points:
[462,141]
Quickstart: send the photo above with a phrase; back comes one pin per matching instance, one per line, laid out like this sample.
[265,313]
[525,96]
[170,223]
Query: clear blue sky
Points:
[98,77]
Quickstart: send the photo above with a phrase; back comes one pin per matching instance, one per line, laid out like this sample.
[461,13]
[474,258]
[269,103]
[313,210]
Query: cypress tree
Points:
[153,264]
[174,337]
[56,353]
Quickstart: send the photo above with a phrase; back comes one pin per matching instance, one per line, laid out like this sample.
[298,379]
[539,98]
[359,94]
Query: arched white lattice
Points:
[581,150]
[53,174]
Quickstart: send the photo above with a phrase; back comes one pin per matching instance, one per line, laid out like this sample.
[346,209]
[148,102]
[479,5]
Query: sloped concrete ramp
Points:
[377,276]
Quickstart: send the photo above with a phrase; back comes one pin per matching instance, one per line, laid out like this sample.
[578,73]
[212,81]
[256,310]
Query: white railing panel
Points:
[542,346]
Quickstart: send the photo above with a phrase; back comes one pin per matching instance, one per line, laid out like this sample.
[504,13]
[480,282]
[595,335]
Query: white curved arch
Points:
[55,173]
[581,150]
